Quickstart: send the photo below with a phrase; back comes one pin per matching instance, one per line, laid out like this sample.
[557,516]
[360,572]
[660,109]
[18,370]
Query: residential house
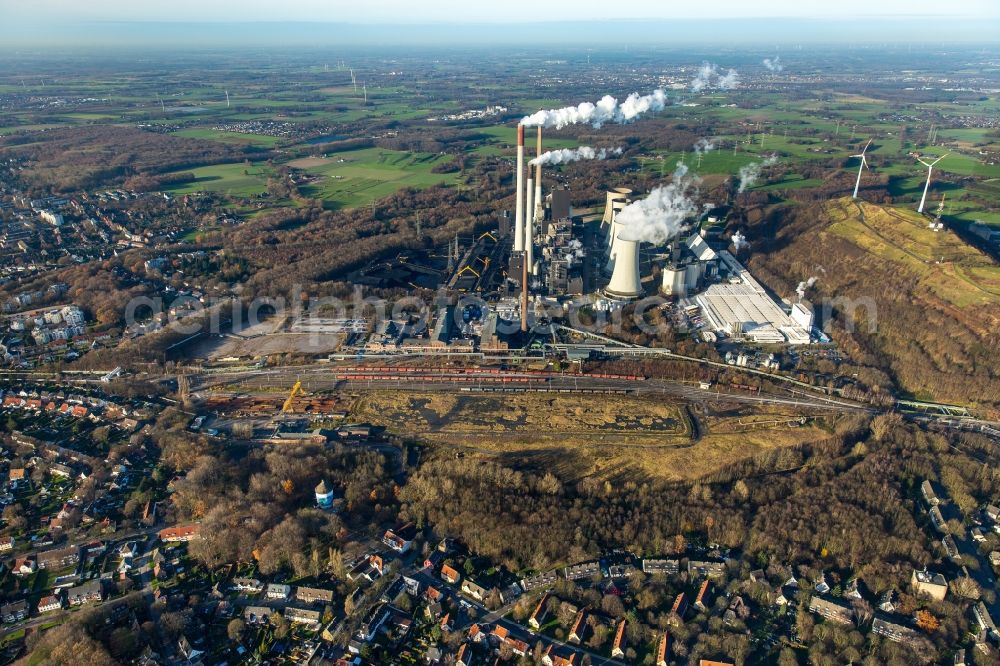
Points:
[24,566]
[699,601]
[578,630]
[372,622]
[59,558]
[85,593]
[927,490]
[618,646]
[311,595]
[257,614]
[541,580]
[401,538]
[181,533]
[937,519]
[678,610]
[930,585]
[951,548]
[278,591]
[984,620]
[887,602]
[464,655]
[992,512]
[537,618]
[251,585]
[6,544]
[894,632]
[303,616]
[663,650]
[710,569]
[470,588]
[835,611]
[14,611]
[977,535]
[558,655]
[450,575]
[583,570]
[49,603]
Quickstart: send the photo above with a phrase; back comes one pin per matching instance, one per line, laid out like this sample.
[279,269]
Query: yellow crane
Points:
[287,407]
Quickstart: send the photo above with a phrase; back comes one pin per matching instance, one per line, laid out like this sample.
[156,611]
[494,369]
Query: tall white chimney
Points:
[625,282]
[529,227]
[519,205]
[536,211]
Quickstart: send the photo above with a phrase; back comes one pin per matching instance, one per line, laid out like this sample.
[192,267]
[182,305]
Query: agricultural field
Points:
[358,177]
[237,180]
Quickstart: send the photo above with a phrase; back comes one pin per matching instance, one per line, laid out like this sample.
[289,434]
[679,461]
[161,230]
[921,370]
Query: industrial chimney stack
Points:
[519,205]
[536,213]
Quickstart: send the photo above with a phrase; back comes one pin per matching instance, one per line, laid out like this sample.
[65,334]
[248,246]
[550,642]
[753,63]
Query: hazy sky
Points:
[422,11]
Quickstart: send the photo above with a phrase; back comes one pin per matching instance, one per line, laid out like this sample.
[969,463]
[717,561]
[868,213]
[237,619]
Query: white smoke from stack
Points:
[709,73]
[565,155]
[739,241]
[606,110]
[729,80]
[703,146]
[774,65]
[749,173]
[661,215]
[801,289]
[704,77]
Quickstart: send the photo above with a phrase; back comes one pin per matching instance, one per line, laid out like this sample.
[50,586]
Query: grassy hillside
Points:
[937,323]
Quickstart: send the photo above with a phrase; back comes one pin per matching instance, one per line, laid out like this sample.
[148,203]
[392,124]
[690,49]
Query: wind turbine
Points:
[864,165]
[227,99]
[930,168]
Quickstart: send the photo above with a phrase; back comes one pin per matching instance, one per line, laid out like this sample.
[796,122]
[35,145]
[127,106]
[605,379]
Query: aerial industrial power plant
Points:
[499,334]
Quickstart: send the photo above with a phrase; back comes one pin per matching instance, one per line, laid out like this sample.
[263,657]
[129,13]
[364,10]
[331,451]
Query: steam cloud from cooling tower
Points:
[660,216]
[801,289]
[750,173]
[708,75]
[773,65]
[606,110]
[565,155]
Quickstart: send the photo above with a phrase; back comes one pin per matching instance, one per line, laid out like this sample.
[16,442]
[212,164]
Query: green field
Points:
[229,137]
[356,178]
[235,179]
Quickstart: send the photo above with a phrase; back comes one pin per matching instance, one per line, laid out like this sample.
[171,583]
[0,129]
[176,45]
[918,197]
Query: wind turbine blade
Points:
[939,159]
[866,146]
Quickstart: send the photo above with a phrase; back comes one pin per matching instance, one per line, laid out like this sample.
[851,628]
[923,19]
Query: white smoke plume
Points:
[730,80]
[709,73]
[564,155]
[606,110]
[703,146]
[704,77]
[661,215]
[749,174]
[774,65]
[801,289]
[739,241]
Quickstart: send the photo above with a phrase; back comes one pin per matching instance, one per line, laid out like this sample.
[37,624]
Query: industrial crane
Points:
[287,407]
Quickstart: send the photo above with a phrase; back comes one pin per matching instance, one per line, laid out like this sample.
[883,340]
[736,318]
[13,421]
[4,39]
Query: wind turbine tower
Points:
[930,169]
[227,99]
[864,165]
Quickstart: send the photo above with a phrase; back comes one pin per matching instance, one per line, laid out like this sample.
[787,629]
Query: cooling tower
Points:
[625,283]
[617,199]
[519,195]
[616,228]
